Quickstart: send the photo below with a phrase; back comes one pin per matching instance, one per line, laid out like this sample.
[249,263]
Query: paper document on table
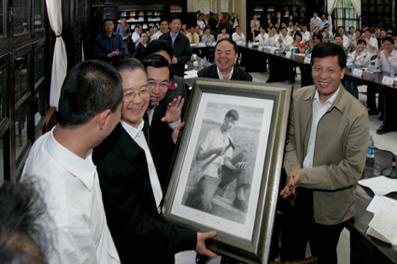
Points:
[379,202]
[380,185]
[190,74]
[384,226]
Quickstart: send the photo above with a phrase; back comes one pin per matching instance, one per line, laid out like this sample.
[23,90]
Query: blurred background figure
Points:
[22,238]
[108,45]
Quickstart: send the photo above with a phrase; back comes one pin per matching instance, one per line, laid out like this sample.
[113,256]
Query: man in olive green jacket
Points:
[324,158]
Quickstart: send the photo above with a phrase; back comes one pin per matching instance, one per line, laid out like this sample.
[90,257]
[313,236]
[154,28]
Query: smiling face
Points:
[176,26]
[158,79]
[327,75]
[225,56]
[136,94]
[361,46]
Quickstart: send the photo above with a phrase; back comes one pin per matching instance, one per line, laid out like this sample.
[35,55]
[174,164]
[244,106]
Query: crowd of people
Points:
[103,170]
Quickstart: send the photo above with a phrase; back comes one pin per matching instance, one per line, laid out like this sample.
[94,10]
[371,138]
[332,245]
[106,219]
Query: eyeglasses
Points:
[131,94]
[162,85]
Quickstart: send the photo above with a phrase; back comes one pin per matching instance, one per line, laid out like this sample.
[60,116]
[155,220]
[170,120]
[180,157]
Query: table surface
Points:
[359,224]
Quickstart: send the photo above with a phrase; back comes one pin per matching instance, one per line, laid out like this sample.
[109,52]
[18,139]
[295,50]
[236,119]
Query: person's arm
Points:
[291,161]
[120,183]
[100,51]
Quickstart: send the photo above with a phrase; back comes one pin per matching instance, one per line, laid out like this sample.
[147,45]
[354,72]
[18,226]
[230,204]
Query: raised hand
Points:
[174,110]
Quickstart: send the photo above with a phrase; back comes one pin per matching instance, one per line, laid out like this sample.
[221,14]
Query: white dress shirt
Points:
[261,38]
[239,39]
[76,222]
[287,41]
[318,110]
[386,63]
[222,77]
[137,135]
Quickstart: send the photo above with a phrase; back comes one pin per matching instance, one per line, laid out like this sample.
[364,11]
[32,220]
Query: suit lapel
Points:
[136,155]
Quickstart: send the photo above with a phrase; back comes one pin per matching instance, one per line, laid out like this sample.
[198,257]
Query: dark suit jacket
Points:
[211,72]
[140,234]
[181,50]
[161,144]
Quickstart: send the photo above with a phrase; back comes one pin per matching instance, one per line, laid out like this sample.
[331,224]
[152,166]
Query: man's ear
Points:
[102,117]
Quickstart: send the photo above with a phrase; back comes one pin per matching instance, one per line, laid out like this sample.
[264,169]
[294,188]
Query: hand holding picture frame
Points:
[227,170]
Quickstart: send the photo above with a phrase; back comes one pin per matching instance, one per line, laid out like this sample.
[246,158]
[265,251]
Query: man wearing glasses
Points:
[163,116]
[130,185]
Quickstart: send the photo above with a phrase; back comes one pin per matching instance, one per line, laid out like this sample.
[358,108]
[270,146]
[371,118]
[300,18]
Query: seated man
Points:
[60,161]
[130,185]
[226,55]
[219,168]
[388,64]
[22,236]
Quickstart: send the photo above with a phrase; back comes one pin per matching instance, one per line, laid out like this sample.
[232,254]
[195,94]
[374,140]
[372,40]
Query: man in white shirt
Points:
[262,36]
[285,40]
[60,161]
[388,63]
[372,42]
[346,41]
[163,29]
[136,35]
[305,34]
[315,21]
[324,158]
[239,37]
[130,185]
[272,41]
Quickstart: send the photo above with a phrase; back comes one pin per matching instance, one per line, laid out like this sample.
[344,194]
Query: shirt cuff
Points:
[175,124]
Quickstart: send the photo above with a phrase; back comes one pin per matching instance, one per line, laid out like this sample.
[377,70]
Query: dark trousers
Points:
[390,109]
[299,228]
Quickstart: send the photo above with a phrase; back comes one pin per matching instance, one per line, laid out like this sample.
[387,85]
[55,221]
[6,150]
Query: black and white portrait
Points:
[222,170]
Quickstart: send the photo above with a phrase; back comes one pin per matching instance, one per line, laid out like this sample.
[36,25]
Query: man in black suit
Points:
[130,186]
[225,68]
[163,116]
[180,45]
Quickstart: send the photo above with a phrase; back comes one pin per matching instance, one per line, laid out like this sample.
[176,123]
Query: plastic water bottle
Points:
[392,71]
[371,148]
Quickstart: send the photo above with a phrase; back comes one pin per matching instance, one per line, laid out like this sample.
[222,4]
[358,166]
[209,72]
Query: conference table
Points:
[253,58]
[363,248]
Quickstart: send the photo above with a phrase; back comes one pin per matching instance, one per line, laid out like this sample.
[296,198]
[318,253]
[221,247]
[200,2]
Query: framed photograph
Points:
[227,170]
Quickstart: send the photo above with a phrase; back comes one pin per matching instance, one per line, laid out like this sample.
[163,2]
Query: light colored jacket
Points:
[339,155]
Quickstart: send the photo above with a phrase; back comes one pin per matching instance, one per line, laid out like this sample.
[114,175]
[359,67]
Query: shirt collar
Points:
[83,169]
[330,101]
[174,35]
[220,74]
[132,131]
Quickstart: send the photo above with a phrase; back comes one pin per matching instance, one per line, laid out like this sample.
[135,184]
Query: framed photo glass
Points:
[227,169]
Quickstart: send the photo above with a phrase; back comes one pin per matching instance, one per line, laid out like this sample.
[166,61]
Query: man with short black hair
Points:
[219,167]
[164,117]
[60,161]
[163,29]
[109,46]
[22,236]
[180,45]
[130,185]
[324,158]
[225,68]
